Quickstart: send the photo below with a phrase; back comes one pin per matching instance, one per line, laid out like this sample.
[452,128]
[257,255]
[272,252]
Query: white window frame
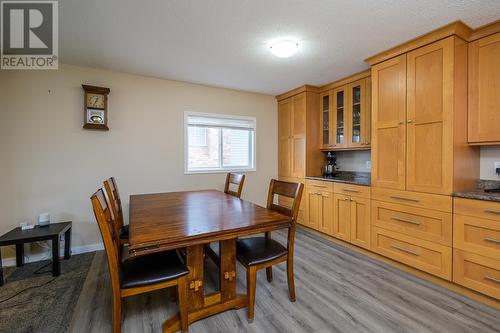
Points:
[253,158]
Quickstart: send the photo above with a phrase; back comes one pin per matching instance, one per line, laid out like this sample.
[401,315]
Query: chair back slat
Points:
[115,202]
[234,179]
[289,190]
[110,238]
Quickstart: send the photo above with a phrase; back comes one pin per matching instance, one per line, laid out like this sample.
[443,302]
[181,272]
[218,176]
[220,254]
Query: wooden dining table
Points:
[190,220]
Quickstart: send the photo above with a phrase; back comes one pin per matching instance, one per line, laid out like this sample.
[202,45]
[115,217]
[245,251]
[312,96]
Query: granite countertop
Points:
[479,194]
[349,177]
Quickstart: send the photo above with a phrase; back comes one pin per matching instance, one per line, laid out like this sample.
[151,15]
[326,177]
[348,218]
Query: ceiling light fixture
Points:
[284,48]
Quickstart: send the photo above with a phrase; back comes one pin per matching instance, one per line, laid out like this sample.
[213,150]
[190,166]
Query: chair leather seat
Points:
[257,250]
[151,269]
[124,232]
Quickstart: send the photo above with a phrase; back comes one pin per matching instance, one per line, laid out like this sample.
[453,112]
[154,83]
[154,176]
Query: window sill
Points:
[196,172]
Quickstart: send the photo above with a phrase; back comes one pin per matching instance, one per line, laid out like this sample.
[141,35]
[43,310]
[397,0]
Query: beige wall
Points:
[49,163]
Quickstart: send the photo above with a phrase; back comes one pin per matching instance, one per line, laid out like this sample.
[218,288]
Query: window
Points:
[218,143]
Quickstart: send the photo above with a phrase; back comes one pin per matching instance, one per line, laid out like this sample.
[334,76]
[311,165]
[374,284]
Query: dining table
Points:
[190,220]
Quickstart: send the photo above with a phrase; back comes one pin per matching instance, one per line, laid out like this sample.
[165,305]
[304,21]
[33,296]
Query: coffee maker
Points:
[330,168]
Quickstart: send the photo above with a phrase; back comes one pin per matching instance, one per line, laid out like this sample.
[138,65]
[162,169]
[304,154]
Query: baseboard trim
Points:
[10,262]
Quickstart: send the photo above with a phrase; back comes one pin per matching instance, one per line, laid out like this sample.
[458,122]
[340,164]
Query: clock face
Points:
[95,101]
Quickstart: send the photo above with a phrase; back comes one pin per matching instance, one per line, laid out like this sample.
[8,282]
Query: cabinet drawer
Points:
[483,209]
[477,235]
[427,256]
[426,224]
[414,199]
[320,185]
[477,272]
[354,190]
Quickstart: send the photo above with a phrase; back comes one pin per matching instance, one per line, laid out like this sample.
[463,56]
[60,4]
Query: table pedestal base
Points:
[173,324]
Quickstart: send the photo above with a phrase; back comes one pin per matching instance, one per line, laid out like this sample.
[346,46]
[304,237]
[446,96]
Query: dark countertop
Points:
[479,194]
[348,177]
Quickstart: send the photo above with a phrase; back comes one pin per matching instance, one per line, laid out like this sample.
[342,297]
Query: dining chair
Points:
[236,179]
[255,253]
[116,208]
[138,275]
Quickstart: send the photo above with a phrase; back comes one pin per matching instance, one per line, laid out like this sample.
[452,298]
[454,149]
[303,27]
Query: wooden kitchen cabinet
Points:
[342,217]
[345,116]
[419,121]
[298,122]
[319,205]
[360,222]
[389,124]
[430,108]
[484,91]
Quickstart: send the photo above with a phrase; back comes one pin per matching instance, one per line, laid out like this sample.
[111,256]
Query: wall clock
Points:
[95,107]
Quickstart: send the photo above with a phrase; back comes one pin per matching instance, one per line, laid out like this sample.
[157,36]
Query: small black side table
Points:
[52,232]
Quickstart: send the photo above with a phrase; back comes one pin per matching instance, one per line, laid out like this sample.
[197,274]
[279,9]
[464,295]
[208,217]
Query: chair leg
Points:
[251,285]
[291,281]
[183,305]
[117,314]
[269,274]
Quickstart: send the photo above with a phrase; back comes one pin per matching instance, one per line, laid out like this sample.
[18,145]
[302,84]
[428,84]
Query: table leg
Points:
[19,255]
[227,269]
[67,244]
[56,265]
[196,295]
[1,269]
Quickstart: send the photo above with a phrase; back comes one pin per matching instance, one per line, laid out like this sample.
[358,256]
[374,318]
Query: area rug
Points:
[32,300]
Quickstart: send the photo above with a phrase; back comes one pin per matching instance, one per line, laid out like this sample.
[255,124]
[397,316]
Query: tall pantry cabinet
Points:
[420,154]
[419,121]
[298,123]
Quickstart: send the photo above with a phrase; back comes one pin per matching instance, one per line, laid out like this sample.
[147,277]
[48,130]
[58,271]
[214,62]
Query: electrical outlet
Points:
[369,165]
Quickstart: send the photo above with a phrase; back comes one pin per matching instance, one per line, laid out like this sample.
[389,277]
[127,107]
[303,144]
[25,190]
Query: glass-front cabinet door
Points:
[356,116]
[339,112]
[325,120]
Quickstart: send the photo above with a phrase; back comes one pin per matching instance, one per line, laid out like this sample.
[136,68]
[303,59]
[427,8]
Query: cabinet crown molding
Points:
[457,28]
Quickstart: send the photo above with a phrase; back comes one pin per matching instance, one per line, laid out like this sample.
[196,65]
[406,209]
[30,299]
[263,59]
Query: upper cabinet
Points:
[345,115]
[484,90]
[298,155]
[420,119]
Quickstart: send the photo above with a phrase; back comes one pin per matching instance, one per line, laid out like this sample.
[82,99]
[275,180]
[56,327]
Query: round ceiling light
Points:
[284,48]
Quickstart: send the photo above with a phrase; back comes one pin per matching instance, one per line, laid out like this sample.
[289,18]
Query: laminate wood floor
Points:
[338,290]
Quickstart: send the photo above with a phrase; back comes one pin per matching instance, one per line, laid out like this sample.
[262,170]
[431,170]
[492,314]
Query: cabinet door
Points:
[326,221]
[298,136]
[342,217]
[339,112]
[325,122]
[285,138]
[429,118]
[484,93]
[388,123]
[360,222]
[313,208]
[356,114]
[366,115]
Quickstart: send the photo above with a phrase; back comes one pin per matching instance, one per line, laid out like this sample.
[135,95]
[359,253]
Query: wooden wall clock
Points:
[95,107]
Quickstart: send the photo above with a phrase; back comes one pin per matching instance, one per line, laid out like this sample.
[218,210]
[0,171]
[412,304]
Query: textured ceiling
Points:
[225,42]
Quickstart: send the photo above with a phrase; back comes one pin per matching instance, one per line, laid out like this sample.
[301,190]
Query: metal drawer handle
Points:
[405,250]
[349,190]
[491,278]
[405,221]
[403,198]
[492,240]
[491,211]
[315,185]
